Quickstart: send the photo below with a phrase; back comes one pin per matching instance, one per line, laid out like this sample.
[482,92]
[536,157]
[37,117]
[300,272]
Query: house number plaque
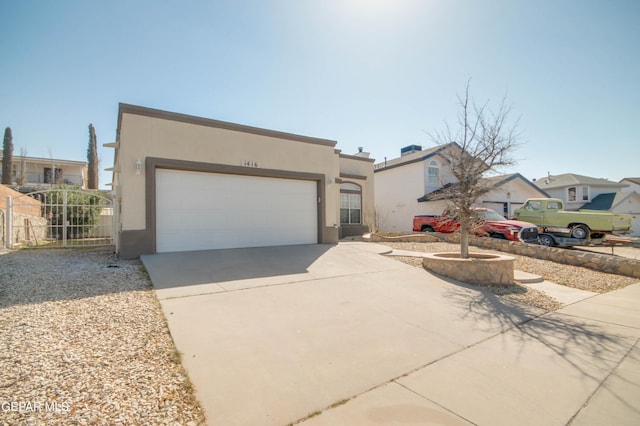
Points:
[249,163]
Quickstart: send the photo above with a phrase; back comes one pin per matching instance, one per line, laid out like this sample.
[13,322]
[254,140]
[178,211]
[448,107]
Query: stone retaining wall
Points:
[596,261]
[480,268]
[411,238]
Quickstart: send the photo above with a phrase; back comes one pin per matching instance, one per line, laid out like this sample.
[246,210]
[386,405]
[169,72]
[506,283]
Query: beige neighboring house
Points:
[184,183]
[412,185]
[41,173]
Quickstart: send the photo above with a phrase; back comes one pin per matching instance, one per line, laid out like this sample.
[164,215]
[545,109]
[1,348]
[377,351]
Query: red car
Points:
[487,223]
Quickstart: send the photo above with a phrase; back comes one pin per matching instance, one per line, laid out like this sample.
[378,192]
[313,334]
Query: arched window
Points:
[433,174]
[350,203]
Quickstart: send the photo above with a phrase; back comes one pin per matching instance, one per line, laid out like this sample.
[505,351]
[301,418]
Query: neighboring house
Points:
[633,184]
[619,202]
[412,184]
[509,193]
[33,173]
[576,190]
[187,183]
[401,181]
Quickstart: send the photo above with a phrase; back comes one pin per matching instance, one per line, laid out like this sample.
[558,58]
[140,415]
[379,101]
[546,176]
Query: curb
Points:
[526,278]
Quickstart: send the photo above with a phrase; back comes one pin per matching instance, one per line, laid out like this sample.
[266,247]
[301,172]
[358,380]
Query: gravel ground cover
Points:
[83,341]
[570,276]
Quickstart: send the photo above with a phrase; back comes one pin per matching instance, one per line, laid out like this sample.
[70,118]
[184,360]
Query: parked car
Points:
[486,222]
[550,216]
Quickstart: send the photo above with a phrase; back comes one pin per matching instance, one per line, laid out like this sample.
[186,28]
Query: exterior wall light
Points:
[138,166]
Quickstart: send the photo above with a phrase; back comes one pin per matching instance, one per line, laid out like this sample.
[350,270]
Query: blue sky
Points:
[380,74]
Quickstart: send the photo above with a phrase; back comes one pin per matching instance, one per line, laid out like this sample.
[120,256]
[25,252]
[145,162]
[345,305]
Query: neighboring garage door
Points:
[201,211]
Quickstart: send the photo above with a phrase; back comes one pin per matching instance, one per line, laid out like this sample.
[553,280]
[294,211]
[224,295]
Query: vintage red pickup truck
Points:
[487,223]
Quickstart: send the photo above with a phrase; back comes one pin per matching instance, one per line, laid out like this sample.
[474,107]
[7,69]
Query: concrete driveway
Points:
[337,334]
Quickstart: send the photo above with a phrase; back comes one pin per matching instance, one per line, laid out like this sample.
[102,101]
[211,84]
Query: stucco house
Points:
[619,202]
[34,173]
[633,184]
[185,183]
[410,185]
[583,192]
[576,190]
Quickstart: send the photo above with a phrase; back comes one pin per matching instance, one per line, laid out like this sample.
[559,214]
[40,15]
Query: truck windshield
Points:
[490,215]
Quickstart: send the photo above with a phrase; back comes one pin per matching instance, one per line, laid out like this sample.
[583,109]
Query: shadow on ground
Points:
[182,269]
[583,347]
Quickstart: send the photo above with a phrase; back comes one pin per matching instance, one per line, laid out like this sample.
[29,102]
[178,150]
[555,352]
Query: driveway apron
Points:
[337,334]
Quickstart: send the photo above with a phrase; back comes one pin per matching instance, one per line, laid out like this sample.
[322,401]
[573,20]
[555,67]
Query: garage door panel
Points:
[199,211]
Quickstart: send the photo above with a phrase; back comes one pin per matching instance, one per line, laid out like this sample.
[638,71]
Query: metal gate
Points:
[59,217]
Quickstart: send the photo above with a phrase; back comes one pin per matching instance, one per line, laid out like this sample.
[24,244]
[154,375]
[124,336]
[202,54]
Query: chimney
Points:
[361,153]
[410,150]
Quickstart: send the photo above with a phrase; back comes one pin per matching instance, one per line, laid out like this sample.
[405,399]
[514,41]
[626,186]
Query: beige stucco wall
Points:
[142,137]
[170,139]
[358,170]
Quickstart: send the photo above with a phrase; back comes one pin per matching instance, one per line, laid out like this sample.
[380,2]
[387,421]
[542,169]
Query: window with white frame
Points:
[350,204]
[585,193]
[433,174]
[577,194]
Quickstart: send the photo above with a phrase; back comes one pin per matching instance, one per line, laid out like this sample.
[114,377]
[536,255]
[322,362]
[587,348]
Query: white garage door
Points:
[201,211]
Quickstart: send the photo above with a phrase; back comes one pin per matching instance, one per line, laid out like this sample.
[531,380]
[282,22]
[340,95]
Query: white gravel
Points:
[568,275]
[83,341]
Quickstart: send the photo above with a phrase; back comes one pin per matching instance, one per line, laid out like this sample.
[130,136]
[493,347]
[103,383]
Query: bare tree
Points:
[481,143]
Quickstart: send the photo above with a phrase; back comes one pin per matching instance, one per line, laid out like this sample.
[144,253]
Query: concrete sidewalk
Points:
[578,366]
[561,293]
[342,335]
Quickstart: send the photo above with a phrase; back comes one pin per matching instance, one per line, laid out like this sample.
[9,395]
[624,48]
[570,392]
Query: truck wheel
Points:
[546,240]
[580,232]
[426,228]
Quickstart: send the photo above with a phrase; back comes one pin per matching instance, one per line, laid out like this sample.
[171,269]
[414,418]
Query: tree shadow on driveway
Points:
[578,353]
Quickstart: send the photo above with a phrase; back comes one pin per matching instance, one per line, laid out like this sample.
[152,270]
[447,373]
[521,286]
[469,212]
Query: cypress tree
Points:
[7,157]
[92,159]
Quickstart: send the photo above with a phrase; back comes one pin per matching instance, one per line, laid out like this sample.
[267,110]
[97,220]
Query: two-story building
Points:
[411,185]
[36,173]
[588,193]
[576,190]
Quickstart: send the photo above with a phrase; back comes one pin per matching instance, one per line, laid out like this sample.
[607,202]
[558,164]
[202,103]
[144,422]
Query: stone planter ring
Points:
[479,268]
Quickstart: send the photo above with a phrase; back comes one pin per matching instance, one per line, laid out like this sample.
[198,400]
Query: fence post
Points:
[8,238]
[64,218]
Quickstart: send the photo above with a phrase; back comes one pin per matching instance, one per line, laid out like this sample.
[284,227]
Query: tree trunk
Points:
[465,227]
